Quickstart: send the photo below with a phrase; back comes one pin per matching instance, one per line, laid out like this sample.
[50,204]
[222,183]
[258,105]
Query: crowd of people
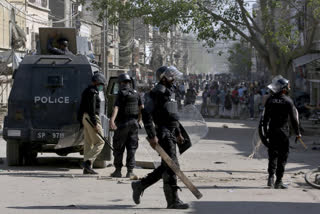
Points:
[233,100]
[222,97]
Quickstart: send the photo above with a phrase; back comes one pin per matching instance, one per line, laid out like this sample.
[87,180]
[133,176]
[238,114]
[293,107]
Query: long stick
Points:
[303,144]
[103,138]
[177,171]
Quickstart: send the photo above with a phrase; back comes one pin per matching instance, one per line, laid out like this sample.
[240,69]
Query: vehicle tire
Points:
[14,157]
[30,158]
[100,164]
[313,178]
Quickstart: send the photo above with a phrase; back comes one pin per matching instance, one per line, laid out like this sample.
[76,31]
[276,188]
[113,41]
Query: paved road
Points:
[218,165]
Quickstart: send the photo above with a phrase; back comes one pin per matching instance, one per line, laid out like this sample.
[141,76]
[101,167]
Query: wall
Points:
[5,12]
[38,16]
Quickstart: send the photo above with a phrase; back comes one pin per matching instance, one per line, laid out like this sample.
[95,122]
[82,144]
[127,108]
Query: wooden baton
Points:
[177,171]
[303,144]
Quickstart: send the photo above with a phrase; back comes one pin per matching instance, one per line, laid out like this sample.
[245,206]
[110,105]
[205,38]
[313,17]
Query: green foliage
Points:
[271,29]
[315,5]
[240,60]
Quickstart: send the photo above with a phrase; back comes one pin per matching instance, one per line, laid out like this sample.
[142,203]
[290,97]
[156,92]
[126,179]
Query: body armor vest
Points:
[130,101]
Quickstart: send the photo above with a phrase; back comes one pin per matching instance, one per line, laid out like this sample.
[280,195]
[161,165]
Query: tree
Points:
[240,60]
[273,29]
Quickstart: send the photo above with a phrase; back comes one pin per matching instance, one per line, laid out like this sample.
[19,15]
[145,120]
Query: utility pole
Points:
[67,13]
[107,48]
[145,45]
[105,63]
[104,47]
[171,46]
[133,46]
[11,23]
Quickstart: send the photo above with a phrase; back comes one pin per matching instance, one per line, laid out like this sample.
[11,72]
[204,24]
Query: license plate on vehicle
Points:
[53,135]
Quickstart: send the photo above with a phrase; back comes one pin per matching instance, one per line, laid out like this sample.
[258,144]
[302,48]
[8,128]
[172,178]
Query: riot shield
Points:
[192,126]
[259,150]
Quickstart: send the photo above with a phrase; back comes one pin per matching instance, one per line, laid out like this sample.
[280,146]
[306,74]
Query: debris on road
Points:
[219,162]
[135,177]
[299,173]
[104,178]
[225,126]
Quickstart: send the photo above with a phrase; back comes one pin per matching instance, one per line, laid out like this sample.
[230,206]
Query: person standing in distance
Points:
[279,108]
[124,121]
[90,110]
[161,110]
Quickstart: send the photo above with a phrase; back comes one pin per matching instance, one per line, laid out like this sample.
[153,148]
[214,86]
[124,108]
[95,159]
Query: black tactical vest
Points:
[129,107]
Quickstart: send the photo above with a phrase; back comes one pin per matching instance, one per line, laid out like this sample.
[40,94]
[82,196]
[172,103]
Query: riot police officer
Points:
[124,121]
[90,110]
[161,110]
[279,108]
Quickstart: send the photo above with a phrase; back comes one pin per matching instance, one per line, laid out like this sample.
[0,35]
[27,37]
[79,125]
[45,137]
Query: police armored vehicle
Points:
[45,98]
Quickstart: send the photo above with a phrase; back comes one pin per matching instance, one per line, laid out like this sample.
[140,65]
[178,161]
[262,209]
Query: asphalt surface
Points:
[218,165]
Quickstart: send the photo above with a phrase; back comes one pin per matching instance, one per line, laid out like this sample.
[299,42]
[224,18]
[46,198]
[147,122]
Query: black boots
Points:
[137,191]
[271,181]
[130,173]
[173,201]
[87,169]
[116,173]
[280,185]
[277,185]
[171,195]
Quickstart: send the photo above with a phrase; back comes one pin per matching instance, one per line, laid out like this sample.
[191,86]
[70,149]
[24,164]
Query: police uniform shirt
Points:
[90,103]
[278,109]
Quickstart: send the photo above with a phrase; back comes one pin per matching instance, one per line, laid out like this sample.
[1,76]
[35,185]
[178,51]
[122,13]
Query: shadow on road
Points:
[229,187]
[226,171]
[46,167]
[244,207]
[241,139]
[52,175]
[82,207]
[48,164]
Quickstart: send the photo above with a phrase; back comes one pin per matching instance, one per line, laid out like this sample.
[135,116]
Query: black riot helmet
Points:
[170,73]
[124,77]
[279,84]
[99,78]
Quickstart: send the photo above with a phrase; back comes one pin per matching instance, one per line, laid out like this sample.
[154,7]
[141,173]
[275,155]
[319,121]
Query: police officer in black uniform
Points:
[162,111]
[279,108]
[124,121]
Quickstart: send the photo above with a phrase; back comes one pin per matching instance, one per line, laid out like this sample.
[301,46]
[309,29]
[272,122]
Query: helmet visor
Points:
[278,83]
[171,73]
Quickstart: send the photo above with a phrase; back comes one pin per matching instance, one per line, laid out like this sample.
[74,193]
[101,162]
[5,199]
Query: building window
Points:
[40,3]
[44,3]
